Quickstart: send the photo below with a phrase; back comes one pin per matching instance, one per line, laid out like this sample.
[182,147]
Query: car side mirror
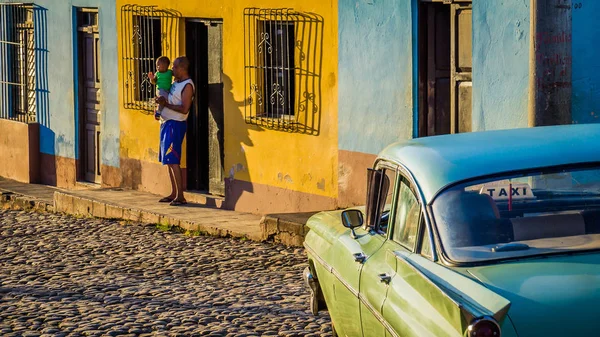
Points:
[352,218]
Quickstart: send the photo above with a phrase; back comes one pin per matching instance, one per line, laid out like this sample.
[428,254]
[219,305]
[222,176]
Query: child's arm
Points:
[152,77]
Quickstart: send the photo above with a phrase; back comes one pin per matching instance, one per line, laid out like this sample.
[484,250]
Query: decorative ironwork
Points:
[282,62]
[17,63]
[147,33]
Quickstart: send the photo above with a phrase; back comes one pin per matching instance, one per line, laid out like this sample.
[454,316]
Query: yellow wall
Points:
[294,161]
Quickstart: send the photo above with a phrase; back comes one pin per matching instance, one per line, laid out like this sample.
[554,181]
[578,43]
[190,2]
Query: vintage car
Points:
[481,234]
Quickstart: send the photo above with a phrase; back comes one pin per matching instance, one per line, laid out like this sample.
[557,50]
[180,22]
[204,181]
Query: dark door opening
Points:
[205,141]
[445,68]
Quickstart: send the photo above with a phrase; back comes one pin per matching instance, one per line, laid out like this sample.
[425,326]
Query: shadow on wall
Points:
[283,65]
[40,22]
[235,188]
[47,160]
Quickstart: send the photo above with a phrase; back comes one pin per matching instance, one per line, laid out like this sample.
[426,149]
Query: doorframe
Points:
[80,119]
[204,164]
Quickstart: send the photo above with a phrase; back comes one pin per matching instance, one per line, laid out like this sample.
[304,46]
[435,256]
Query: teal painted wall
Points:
[500,64]
[56,80]
[586,62]
[375,73]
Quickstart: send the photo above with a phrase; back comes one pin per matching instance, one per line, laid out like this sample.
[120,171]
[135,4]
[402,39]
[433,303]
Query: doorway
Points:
[445,67]
[89,96]
[205,139]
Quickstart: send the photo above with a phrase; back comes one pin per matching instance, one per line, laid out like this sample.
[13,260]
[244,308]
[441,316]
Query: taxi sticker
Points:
[518,191]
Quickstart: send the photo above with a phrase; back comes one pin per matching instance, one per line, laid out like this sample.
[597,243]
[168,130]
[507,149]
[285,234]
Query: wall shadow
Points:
[307,58]
[42,88]
[234,188]
[47,137]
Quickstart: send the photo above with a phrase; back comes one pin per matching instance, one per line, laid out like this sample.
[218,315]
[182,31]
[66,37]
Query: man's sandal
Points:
[178,202]
[165,199]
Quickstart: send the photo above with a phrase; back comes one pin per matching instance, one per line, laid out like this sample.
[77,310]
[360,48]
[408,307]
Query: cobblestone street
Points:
[65,276]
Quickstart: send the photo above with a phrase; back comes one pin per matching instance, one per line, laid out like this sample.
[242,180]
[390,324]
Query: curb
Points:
[18,202]
[81,206]
[288,229]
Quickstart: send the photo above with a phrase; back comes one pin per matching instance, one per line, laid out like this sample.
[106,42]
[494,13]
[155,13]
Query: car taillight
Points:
[484,327]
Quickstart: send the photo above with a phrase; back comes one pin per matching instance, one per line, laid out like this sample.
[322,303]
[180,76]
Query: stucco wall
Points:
[19,147]
[286,160]
[500,64]
[376,73]
[56,77]
[586,62]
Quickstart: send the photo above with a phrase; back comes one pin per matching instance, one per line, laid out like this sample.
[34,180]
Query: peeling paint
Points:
[321,184]
[285,178]
[344,173]
[235,169]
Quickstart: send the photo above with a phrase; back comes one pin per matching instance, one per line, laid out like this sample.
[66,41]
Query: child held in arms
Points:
[163,80]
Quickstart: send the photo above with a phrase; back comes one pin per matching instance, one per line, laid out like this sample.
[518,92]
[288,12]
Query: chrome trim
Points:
[378,316]
[385,278]
[359,257]
[484,318]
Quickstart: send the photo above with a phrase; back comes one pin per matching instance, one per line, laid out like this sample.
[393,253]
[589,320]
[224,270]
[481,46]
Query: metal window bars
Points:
[17,63]
[147,33]
[282,64]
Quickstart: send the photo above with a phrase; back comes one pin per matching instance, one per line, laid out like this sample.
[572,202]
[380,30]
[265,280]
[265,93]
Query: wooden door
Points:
[216,171]
[434,72]
[90,97]
[461,103]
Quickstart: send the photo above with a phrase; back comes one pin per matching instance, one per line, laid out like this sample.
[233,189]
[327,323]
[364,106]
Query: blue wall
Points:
[375,73]
[586,62]
[56,93]
[500,64]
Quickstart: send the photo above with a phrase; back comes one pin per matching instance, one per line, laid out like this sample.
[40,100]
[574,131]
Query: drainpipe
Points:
[550,62]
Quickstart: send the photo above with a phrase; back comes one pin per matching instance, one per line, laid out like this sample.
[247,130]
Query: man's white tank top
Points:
[175,99]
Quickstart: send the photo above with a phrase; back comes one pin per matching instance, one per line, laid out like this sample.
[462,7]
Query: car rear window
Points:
[551,211]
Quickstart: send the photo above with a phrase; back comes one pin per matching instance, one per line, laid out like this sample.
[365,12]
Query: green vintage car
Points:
[492,233]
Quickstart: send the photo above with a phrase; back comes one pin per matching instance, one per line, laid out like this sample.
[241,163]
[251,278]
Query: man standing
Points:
[173,126]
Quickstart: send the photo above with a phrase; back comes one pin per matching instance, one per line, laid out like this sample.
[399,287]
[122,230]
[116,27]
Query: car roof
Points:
[439,161]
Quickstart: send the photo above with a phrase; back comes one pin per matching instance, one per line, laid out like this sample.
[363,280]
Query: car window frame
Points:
[426,224]
[388,165]
[417,243]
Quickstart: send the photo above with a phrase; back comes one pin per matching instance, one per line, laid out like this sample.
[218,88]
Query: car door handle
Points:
[385,278]
[359,257]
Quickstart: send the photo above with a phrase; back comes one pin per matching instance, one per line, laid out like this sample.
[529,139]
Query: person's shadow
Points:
[237,172]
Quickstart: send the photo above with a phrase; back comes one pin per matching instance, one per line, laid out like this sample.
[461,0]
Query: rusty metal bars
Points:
[17,63]
[147,33]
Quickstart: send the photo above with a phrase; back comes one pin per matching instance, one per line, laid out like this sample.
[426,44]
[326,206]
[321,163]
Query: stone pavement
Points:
[72,276]
[142,207]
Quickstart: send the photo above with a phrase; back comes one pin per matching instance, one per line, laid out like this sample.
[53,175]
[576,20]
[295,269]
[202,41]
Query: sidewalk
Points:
[142,207]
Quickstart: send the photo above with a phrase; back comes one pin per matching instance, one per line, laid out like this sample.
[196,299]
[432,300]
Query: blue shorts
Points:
[171,138]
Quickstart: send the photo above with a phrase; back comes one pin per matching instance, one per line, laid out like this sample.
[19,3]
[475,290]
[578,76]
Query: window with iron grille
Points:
[282,59]
[17,63]
[147,33]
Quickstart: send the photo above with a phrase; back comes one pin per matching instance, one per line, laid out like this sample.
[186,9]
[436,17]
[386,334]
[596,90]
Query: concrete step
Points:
[203,198]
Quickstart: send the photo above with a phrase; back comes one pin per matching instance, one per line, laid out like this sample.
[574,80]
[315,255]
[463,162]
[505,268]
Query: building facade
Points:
[59,120]
[293,101]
